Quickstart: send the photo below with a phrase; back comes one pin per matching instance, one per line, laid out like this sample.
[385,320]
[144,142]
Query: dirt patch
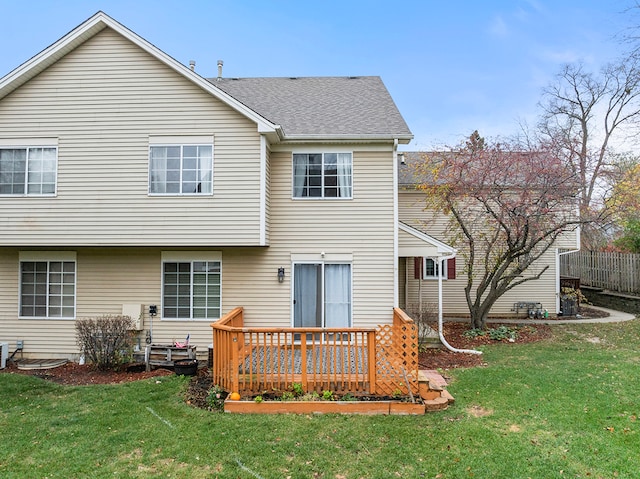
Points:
[479,411]
[198,390]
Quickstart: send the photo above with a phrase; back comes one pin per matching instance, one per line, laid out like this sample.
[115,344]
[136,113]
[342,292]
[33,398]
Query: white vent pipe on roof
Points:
[220,63]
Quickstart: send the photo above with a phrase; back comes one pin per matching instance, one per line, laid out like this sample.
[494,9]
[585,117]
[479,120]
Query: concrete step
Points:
[438,404]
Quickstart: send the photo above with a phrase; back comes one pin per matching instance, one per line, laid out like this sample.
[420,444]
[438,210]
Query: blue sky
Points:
[452,66]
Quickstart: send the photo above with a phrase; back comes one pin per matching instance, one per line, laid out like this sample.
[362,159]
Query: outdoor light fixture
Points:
[280,274]
[153,310]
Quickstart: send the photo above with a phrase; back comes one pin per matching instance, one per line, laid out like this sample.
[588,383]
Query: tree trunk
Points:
[480,308]
[479,318]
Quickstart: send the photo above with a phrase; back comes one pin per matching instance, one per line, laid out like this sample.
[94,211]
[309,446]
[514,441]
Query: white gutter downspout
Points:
[263,191]
[441,260]
[395,225]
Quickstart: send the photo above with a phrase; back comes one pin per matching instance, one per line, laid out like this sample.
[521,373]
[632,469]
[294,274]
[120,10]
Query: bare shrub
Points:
[106,341]
[423,317]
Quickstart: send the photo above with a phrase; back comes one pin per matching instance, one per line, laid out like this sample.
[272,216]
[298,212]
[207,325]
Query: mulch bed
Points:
[74,374]
[442,358]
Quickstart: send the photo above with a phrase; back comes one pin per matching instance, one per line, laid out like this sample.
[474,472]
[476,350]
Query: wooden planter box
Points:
[324,407]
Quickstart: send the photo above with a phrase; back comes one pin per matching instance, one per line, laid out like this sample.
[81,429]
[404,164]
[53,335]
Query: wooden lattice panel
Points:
[397,359]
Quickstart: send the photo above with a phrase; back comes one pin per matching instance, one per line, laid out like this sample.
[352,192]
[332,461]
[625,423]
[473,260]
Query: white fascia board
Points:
[324,138]
[51,54]
[93,26]
[442,247]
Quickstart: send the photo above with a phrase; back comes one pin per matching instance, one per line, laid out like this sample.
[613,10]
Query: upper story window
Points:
[322,175]
[28,170]
[181,169]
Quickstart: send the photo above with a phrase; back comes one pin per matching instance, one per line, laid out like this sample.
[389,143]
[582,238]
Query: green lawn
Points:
[566,407]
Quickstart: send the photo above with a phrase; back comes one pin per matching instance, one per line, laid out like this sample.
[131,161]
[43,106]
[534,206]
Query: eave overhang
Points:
[413,242]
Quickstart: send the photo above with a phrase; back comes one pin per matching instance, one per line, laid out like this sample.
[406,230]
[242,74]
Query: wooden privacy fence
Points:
[380,361]
[613,271]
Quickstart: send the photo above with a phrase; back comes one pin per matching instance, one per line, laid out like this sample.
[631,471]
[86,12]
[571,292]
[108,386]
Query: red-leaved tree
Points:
[507,207]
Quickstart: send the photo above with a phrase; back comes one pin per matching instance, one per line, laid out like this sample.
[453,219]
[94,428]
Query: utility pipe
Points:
[441,260]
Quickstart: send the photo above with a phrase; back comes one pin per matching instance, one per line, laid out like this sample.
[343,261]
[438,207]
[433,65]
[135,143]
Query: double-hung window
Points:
[47,285]
[322,175]
[191,287]
[181,169]
[28,170]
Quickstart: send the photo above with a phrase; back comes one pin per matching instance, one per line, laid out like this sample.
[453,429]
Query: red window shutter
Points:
[417,267]
[451,268]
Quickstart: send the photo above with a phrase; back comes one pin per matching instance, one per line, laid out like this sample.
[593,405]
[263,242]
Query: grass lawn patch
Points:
[566,406]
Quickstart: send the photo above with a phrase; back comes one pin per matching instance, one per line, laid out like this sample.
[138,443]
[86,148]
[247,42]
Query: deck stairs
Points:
[432,387]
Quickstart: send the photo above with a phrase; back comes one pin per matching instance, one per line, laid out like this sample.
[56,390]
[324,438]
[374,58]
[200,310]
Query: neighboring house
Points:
[418,276]
[128,180]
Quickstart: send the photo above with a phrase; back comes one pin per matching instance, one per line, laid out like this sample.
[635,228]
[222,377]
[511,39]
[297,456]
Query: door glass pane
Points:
[337,294]
[307,300]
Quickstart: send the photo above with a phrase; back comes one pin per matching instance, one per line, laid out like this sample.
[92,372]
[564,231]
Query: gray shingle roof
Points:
[313,107]
[408,176]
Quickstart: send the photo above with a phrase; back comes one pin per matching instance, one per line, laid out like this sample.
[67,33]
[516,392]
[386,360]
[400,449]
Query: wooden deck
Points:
[377,361]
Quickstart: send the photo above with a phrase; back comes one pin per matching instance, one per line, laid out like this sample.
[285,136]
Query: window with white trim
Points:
[181,169]
[47,288]
[428,268]
[191,289]
[432,268]
[322,175]
[28,170]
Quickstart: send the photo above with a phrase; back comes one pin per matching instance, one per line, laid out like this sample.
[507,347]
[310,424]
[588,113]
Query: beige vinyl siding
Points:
[102,102]
[455,304]
[409,245]
[543,290]
[362,226]
[109,277]
[267,195]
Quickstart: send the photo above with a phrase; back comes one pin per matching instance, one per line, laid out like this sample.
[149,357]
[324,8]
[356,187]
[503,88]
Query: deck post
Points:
[303,360]
[371,352]
[235,362]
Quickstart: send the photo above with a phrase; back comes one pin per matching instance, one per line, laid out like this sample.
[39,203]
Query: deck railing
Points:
[355,360]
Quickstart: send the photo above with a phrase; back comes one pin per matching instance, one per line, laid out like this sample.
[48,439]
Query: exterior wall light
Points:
[280,274]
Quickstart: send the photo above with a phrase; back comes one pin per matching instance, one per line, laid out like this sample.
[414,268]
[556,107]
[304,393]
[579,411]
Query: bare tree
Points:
[584,113]
[507,207]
